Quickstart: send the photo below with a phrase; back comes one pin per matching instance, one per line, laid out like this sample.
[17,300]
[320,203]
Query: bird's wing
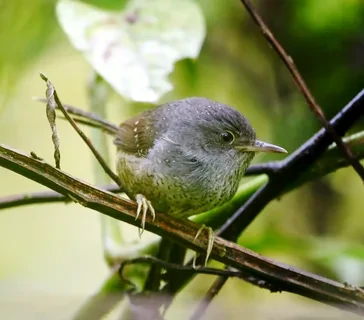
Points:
[137,135]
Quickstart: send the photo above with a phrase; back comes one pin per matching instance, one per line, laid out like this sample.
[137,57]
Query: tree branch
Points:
[330,161]
[183,232]
[315,108]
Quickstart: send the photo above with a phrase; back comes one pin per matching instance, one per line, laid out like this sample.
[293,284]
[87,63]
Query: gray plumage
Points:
[180,157]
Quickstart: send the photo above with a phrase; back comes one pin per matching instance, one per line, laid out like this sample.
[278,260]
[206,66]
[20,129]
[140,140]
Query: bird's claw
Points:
[143,205]
[211,239]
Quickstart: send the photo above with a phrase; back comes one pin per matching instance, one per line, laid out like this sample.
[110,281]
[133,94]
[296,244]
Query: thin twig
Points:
[178,267]
[99,158]
[183,232]
[51,116]
[86,117]
[154,277]
[315,108]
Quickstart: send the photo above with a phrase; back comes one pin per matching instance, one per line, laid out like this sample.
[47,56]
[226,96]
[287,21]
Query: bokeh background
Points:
[51,256]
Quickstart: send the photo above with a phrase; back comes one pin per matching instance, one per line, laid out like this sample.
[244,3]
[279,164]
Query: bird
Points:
[185,157]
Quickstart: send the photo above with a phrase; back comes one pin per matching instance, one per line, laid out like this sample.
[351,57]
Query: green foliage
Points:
[107,4]
[327,16]
[25,30]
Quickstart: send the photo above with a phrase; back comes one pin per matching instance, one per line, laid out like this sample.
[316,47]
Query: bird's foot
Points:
[211,239]
[143,205]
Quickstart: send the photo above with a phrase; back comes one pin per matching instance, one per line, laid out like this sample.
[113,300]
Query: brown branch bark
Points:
[280,276]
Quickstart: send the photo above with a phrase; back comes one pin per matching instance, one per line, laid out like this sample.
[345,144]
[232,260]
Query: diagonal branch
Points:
[315,108]
[183,232]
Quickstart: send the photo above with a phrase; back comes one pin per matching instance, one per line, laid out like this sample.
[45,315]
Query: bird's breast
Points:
[179,187]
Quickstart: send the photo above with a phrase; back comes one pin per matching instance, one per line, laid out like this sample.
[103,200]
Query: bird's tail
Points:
[88,118]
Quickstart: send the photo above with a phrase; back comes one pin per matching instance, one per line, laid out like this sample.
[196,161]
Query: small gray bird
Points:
[185,157]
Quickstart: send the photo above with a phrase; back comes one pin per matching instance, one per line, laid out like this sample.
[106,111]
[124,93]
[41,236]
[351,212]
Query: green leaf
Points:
[135,50]
[327,16]
[107,4]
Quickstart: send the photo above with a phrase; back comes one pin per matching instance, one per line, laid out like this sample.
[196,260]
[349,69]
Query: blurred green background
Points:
[51,255]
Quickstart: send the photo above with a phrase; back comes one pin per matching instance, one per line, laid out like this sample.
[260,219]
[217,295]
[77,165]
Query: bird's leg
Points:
[211,236]
[144,204]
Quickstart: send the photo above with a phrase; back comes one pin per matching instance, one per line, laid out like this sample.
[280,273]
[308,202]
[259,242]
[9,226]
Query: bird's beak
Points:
[260,146]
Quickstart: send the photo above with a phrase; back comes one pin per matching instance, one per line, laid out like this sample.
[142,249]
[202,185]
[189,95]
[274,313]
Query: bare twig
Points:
[99,158]
[51,116]
[183,232]
[178,267]
[89,118]
[315,108]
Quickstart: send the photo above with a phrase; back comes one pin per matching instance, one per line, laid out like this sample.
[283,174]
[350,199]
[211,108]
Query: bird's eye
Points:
[227,137]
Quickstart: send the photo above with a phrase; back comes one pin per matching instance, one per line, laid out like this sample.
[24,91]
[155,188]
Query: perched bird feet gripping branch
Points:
[143,206]
[210,245]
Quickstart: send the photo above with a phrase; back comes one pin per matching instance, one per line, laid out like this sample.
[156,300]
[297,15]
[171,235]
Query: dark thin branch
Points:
[99,158]
[268,168]
[178,267]
[153,280]
[183,232]
[326,164]
[315,108]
